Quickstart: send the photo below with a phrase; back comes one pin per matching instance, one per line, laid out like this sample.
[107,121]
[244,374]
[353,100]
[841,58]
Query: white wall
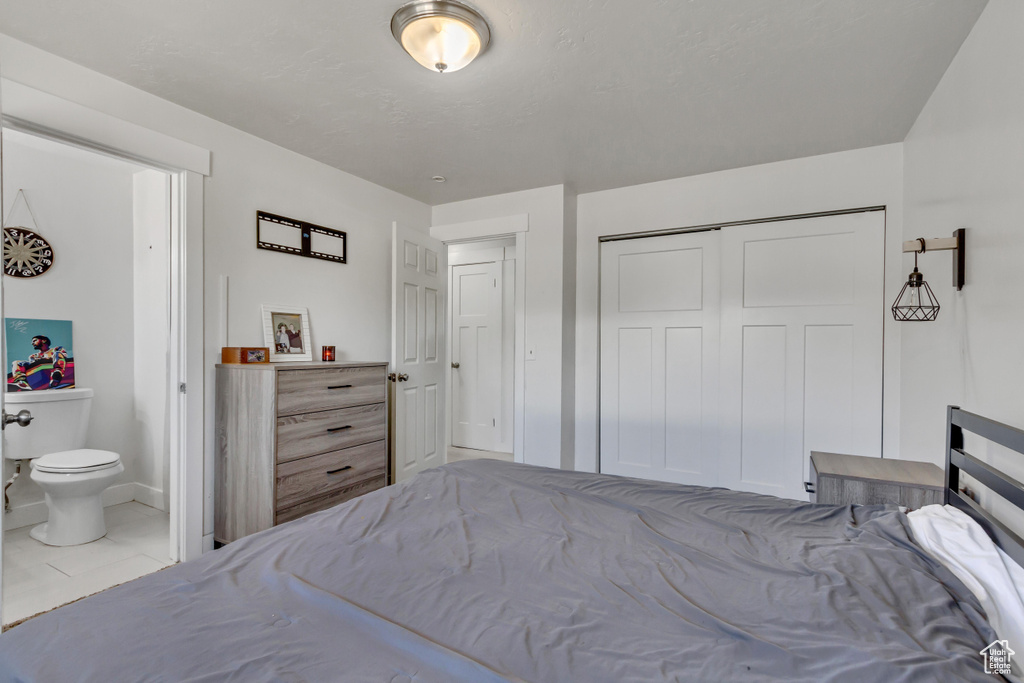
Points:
[151,297]
[845,180]
[349,304]
[82,203]
[544,308]
[569,221]
[964,167]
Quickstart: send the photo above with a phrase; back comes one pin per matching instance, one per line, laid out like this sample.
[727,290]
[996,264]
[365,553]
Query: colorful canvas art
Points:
[39,354]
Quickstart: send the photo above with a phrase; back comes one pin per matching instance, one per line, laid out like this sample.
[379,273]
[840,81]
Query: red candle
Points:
[327,353]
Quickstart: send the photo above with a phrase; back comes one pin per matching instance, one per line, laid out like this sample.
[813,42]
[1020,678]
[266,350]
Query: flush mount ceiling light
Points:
[440,34]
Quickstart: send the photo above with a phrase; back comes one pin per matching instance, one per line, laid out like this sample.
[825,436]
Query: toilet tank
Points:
[60,421]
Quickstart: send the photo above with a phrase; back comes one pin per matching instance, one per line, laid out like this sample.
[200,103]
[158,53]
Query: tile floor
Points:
[39,577]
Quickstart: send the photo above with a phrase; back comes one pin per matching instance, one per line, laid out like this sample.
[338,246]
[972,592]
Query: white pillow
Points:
[963,547]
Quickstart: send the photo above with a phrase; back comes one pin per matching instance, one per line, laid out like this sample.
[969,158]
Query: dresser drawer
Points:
[303,391]
[318,475]
[330,500]
[329,430]
[844,491]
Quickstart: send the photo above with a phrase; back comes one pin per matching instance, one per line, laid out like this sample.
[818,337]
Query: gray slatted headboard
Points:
[958,460]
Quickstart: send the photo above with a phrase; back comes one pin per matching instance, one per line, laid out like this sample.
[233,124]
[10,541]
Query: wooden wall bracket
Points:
[957,244]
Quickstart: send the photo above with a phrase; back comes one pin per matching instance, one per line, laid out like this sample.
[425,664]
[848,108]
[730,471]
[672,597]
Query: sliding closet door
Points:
[801,366]
[659,357]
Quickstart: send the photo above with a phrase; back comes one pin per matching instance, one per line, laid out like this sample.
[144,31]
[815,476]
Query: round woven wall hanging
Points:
[26,254]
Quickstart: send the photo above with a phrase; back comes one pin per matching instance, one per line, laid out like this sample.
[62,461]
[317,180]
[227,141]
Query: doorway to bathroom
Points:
[105,301]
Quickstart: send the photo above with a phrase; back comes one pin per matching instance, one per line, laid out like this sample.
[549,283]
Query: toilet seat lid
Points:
[81,460]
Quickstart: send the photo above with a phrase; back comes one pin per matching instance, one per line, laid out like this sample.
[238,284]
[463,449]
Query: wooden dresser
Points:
[295,438]
[838,479]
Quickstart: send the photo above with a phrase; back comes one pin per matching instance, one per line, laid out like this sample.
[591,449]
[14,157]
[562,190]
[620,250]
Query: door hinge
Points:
[181,388]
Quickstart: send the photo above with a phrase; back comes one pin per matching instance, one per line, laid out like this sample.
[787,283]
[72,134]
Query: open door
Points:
[417,351]
[3,354]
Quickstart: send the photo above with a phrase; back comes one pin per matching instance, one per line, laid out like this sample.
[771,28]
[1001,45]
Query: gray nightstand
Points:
[853,479]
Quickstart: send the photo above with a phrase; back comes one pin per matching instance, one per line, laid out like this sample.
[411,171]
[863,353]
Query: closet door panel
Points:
[762,440]
[829,382]
[790,271]
[659,357]
[636,411]
[660,281]
[817,283]
[684,400]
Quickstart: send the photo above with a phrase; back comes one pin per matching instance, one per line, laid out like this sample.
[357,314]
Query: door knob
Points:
[455,365]
[22,418]
[402,377]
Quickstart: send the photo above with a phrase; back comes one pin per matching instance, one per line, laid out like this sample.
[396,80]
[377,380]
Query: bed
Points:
[490,571]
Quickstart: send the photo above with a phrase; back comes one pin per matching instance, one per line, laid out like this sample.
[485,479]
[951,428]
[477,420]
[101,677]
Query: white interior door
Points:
[802,314]
[659,357]
[3,408]
[476,355]
[417,351]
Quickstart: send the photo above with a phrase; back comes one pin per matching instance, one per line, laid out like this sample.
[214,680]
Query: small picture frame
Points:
[286,333]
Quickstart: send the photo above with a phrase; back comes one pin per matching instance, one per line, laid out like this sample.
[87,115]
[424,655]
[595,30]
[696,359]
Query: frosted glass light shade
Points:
[441,35]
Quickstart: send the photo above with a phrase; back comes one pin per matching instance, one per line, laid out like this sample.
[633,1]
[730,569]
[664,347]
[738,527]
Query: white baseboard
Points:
[119,493]
[29,514]
[147,495]
[36,512]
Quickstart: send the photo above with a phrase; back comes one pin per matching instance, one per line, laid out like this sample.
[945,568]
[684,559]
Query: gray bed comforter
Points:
[486,571]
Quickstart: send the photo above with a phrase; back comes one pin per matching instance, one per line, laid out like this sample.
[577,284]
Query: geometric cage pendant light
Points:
[441,35]
[916,301]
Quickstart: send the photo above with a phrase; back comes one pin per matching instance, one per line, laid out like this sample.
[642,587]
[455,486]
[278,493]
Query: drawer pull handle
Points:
[809,487]
[340,469]
[338,429]
[341,386]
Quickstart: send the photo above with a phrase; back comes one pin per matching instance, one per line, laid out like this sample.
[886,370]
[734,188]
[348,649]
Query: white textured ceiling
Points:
[592,93]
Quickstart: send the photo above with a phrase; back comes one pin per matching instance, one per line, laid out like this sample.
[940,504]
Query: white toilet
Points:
[73,478]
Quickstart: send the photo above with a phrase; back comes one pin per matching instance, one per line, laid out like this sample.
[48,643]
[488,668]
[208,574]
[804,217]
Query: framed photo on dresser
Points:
[286,333]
